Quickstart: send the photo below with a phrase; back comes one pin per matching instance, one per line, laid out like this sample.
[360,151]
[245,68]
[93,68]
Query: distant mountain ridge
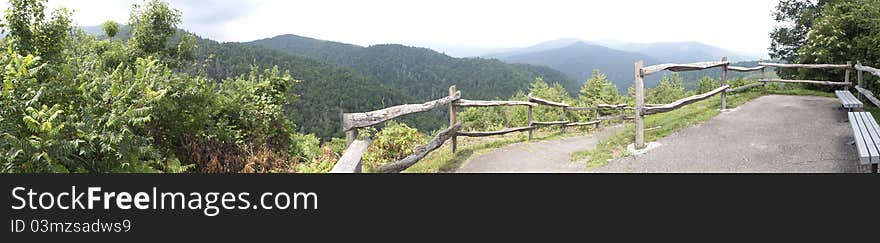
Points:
[685,52]
[579,58]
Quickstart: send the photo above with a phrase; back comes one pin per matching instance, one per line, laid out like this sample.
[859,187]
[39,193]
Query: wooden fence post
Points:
[350,135]
[846,73]
[564,119]
[623,115]
[724,82]
[530,123]
[597,116]
[640,105]
[763,76]
[859,76]
[452,118]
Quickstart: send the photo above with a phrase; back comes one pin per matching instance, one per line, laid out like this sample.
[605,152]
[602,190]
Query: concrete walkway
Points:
[769,134]
[552,156]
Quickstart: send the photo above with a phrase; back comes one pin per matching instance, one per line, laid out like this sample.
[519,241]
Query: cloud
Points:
[743,26]
[208,18]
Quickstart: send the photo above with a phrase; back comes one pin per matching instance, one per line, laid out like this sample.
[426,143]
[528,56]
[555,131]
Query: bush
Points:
[392,143]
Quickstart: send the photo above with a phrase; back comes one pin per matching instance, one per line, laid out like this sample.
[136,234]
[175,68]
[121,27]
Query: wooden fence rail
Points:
[353,121]
[682,67]
[812,66]
[745,87]
[350,162]
[874,71]
[686,101]
[860,88]
[546,102]
[420,152]
[832,83]
[484,103]
[496,133]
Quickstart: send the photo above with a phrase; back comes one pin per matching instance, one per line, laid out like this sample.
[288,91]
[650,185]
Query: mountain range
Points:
[577,58]
[338,77]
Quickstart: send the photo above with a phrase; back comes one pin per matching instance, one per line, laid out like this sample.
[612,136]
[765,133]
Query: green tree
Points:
[153,23]
[707,84]
[826,31]
[598,90]
[30,33]
[555,93]
[670,89]
[846,31]
[110,28]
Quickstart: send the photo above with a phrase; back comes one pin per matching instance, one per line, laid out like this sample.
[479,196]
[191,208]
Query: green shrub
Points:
[392,143]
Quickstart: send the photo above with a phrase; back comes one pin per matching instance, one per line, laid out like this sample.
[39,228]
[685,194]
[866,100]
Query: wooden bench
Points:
[850,102]
[866,134]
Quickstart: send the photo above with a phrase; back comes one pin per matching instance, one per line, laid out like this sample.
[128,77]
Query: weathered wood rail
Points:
[860,79]
[420,152]
[686,101]
[846,67]
[350,162]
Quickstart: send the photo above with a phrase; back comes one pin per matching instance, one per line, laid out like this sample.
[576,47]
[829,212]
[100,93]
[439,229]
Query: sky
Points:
[737,25]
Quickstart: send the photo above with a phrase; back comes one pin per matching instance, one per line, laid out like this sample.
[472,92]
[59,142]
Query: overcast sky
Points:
[739,25]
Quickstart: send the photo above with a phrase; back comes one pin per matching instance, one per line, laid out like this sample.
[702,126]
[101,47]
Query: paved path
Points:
[769,134]
[552,156]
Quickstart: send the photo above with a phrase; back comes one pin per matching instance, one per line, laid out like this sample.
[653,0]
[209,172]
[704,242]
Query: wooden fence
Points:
[861,88]
[643,109]
[350,162]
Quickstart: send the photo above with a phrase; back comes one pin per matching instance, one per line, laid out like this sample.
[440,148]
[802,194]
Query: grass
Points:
[662,125]
[442,160]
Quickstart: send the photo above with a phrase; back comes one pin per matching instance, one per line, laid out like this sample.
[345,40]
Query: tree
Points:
[670,89]
[31,34]
[707,84]
[153,23]
[598,90]
[186,49]
[846,31]
[796,18]
[110,28]
[826,31]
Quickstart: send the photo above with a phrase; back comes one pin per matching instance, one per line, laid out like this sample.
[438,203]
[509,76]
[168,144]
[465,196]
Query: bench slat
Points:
[848,99]
[874,131]
[867,134]
[843,98]
[864,156]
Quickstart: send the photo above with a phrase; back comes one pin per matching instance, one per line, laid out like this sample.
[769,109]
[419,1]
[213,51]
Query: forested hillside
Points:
[325,91]
[421,72]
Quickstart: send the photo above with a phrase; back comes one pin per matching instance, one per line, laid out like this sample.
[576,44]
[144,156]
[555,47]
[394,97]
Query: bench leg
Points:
[851,143]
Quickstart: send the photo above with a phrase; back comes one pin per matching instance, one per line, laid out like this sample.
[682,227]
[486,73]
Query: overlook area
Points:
[148,96]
